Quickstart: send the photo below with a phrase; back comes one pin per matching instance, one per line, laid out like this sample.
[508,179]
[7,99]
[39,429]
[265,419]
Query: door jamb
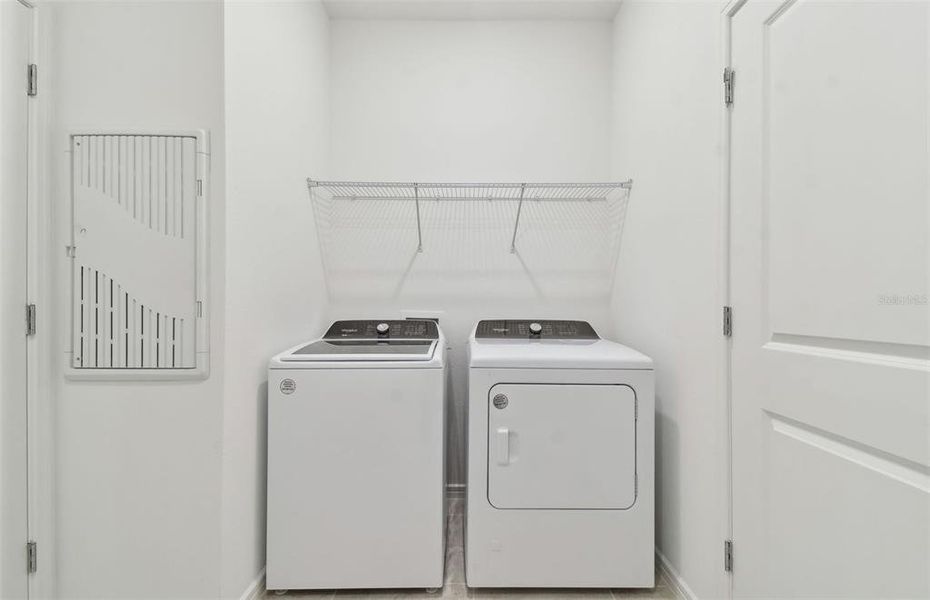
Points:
[40,456]
[729,10]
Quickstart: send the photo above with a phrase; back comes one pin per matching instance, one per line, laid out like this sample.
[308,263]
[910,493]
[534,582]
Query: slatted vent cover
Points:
[138,233]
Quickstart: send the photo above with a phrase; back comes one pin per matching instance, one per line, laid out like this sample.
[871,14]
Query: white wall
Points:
[277,124]
[667,301]
[138,466]
[469,101]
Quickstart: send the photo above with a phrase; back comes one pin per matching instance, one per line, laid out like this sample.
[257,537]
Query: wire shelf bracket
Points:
[459,192]
[416,196]
[516,222]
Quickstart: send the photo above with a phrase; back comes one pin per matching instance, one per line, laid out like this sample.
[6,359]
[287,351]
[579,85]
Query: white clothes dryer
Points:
[560,458]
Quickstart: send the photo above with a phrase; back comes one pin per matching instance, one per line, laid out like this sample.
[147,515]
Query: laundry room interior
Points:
[464,299]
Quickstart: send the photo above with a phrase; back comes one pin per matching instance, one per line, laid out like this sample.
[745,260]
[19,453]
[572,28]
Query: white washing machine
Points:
[356,469]
[560,458]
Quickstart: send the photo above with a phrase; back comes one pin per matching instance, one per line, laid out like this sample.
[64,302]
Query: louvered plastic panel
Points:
[138,231]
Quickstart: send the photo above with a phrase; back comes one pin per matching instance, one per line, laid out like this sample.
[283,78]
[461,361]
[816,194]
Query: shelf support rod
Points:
[516,223]
[416,197]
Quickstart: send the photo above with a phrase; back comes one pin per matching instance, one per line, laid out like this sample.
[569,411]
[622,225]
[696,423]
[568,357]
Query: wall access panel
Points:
[138,255]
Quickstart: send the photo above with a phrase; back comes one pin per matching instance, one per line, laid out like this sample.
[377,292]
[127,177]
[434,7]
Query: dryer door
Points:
[561,446]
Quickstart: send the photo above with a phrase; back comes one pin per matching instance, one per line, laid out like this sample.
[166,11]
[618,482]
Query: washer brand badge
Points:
[500,401]
[288,386]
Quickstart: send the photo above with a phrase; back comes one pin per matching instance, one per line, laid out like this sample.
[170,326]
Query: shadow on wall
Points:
[261,430]
[564,249]
[667,466]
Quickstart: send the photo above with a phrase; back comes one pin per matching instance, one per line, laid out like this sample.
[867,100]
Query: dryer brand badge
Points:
[288,386]
[500,401]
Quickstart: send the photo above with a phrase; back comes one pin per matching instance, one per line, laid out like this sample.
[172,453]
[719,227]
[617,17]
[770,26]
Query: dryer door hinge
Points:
[728,555]
[30,319]
[727,321]
[32,559]
[32,80]
[728,75]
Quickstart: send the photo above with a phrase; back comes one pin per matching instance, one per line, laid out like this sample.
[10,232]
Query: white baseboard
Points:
[256,589]
[678,585]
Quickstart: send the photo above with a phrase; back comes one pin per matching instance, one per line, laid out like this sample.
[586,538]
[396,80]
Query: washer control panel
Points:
[535,329]
[383,329]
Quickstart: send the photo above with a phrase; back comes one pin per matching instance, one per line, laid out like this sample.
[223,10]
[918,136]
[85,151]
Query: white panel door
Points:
[830,166]
[15,25]
[561,446]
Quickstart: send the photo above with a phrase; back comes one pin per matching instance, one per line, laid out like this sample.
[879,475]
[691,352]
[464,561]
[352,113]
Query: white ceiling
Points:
[472,9]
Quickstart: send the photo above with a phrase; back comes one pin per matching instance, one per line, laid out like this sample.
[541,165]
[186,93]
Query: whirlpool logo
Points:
[288,386]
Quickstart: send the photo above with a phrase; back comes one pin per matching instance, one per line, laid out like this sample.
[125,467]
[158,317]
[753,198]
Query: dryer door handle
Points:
[503,446]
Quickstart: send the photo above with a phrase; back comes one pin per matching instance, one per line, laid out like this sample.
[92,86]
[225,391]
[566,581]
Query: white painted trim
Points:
[675,581]
[41,423]
[256,589]
[729,10]
[725,375]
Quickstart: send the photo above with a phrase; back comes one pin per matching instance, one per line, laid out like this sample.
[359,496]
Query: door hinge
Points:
[70,251]
[728,75]
[32,79]
[727,321]
[32,559]
[200,188]
[728,555]
[30,319]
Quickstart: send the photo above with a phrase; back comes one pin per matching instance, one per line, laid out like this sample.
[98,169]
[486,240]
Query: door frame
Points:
[40,423]
[729,9]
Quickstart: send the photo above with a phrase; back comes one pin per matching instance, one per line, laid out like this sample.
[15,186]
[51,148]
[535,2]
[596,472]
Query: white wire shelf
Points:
[559,192]
[458,192]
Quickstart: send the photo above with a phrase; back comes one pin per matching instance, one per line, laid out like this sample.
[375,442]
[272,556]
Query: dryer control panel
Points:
[530,329]
[384,329]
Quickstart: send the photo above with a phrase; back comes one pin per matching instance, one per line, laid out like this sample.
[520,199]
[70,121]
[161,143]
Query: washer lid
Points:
[371,340]
[353,350]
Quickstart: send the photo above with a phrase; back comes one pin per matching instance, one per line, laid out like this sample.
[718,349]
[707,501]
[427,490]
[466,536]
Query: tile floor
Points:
[455,580]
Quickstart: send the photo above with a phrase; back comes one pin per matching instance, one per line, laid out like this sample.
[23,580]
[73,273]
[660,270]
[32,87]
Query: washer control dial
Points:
[535,328]
[383,328]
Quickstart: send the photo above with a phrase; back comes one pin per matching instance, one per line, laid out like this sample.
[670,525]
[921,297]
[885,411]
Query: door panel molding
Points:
[904,471]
